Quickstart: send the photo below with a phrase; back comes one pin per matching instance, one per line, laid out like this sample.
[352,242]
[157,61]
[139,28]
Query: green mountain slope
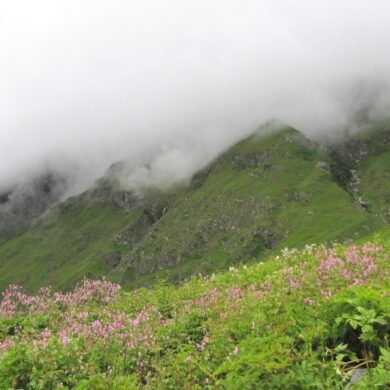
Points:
[265,193]
[74,242]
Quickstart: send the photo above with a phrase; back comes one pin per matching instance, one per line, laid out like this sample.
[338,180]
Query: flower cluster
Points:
[351,267]
[335,268]
[16,302]
[111,324]
[97,291]
[204,329]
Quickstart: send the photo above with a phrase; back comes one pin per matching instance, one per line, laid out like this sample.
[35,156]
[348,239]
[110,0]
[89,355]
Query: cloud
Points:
[172,83]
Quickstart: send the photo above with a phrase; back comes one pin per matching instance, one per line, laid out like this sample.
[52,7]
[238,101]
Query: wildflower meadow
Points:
[304,319]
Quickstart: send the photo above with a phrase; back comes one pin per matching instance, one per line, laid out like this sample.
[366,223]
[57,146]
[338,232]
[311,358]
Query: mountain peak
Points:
[275,188]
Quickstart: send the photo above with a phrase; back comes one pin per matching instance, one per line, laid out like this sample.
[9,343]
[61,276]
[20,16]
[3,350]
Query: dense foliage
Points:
[305,319]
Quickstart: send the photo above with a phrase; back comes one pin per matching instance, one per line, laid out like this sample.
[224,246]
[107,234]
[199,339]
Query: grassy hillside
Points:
[75,241]
[266,192]
[306,319]
[261,195]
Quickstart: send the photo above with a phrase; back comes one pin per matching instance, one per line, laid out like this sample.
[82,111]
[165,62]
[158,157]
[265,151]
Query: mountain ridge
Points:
[265,192]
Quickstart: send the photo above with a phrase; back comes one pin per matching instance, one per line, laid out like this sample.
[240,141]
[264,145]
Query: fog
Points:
[169,84]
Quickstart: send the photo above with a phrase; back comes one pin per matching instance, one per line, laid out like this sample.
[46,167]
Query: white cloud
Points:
[88,82]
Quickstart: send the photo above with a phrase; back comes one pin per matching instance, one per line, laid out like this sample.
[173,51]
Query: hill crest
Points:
[268,191]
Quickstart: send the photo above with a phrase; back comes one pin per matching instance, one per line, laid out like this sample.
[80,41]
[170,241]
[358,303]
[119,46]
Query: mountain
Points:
[21,205]
[271,190]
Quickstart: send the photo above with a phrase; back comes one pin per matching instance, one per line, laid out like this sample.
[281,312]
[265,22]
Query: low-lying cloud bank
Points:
[172,83]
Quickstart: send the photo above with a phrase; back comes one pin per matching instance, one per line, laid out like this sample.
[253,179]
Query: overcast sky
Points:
[84,83]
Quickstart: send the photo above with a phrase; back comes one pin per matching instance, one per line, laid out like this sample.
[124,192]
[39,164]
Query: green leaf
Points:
[353,323]
[385,354]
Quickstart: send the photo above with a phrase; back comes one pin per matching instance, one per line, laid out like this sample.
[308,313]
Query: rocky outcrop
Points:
[349,158]
[22,205]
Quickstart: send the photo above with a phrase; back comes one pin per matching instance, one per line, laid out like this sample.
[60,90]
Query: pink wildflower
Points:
[308,301]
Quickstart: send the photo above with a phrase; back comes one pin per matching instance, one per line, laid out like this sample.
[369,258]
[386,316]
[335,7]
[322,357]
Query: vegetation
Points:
[74,242]
[303,319]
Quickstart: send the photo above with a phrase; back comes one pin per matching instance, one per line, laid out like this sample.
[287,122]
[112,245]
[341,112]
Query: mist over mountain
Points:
[166,86]
[24,204]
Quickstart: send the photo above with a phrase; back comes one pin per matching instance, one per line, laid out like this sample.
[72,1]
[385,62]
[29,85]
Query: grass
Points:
[64,248]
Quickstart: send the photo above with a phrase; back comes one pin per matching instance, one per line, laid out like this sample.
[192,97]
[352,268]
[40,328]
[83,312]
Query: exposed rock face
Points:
[112,259]
[130,236]
[350,157]
[257,159]
[21,206]
[357,376]
[125,200]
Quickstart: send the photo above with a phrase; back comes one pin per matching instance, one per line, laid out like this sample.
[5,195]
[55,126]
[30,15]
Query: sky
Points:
[166,85]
